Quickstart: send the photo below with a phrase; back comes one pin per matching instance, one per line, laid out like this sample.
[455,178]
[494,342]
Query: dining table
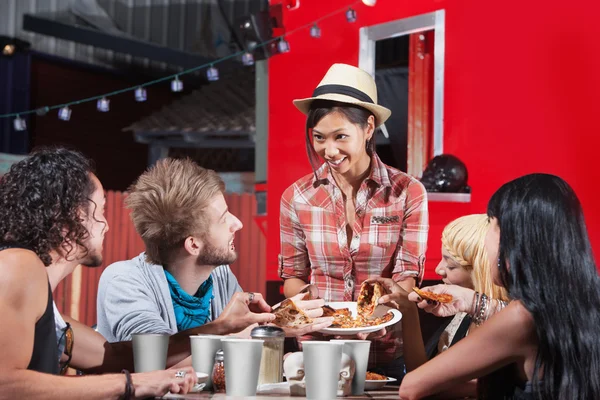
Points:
[387,392]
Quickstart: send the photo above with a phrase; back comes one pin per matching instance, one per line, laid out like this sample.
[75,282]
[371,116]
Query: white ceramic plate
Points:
[377,384]
[202,378]
[351,305]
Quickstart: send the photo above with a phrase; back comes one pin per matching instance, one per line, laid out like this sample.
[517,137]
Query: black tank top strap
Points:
[44,357]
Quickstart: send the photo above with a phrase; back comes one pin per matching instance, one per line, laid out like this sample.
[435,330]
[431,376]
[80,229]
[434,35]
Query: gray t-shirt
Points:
[134,297]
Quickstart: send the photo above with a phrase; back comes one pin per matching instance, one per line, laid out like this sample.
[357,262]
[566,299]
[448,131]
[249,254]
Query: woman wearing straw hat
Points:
[353,218]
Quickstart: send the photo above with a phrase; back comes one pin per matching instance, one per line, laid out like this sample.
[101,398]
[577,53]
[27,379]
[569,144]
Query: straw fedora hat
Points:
[347,84]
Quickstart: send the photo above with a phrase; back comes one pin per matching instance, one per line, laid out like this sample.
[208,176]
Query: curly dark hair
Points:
[41,199]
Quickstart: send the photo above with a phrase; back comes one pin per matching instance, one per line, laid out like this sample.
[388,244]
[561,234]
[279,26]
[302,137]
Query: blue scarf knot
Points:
[190,311]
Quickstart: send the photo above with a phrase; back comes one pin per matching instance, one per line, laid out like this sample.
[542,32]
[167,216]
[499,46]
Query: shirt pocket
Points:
[385,226]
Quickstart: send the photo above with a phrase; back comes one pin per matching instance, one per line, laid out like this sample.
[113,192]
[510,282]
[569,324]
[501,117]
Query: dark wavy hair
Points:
[41,200]
[546,262]
[319,109]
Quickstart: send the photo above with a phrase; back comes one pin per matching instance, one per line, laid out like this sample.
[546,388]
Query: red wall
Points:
[521,82]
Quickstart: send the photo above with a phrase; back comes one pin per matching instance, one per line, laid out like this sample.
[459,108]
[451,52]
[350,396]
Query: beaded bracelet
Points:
[480,317]
[129,389]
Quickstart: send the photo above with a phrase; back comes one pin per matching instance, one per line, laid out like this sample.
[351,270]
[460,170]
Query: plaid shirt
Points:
[389,236]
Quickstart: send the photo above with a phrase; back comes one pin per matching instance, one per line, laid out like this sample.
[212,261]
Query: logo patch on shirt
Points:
[385,220]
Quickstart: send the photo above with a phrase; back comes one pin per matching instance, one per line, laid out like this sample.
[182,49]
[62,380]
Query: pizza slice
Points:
[288,315]
[440,298]
[368,298]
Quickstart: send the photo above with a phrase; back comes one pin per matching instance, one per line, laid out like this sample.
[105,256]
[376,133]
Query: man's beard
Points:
[213,256]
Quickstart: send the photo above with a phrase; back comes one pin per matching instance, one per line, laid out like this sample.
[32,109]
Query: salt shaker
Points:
[218,373]
[271,364]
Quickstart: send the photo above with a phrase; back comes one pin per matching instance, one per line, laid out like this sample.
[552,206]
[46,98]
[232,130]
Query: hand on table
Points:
[158,383]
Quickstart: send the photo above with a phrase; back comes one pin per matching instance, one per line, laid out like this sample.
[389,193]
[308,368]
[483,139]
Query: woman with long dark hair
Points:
[545,343]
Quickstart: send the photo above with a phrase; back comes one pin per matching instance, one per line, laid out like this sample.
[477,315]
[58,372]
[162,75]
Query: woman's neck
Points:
[352,179]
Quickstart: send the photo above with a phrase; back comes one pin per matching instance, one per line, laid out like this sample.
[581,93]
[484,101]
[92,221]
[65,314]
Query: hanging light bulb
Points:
[176,85]
[315,31]
[103,105]
[20,124]
[283,46]
[351,15]
[140,94]
[369,3]
[247,59]
[212,74]
[64,113]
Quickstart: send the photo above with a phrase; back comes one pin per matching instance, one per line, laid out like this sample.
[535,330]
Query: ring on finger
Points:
[180,374]
[250,297]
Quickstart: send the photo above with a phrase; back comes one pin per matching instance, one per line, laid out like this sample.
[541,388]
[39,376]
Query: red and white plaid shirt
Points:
[389,236]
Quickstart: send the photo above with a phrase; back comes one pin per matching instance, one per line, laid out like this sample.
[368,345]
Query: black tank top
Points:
[44,357]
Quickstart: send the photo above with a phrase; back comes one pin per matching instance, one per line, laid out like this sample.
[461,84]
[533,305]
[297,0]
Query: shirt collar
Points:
[378,175]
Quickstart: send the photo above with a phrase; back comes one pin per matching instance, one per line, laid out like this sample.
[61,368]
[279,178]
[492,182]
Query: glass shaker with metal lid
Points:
[271,364]
[218,373]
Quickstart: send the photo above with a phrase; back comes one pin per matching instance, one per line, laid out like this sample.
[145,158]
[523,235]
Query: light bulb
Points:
[103,105]
[176,85]
[315,31]
[64,113]
[140,94]
[212,74]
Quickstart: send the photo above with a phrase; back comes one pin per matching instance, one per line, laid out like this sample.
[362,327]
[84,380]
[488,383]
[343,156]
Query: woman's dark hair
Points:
[321,108]
[41,199]
[546,262]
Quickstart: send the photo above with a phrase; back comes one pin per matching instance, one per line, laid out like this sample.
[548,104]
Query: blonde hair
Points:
[167,204]
[464,240]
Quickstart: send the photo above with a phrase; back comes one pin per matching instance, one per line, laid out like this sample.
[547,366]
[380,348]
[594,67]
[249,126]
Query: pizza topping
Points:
[372,376]
[287,314]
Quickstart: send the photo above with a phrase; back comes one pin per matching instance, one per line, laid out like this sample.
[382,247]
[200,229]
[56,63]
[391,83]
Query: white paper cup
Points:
[358,350]
[150,351]
[242,364]
[204,348]
[322,364]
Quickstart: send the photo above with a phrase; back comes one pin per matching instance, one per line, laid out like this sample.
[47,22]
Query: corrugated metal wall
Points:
[192,25]
[76,295]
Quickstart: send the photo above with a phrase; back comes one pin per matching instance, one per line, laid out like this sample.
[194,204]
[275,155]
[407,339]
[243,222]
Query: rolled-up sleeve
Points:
[293,259]
[410,253]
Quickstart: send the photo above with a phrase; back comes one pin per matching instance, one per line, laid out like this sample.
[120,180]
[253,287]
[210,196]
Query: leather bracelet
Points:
[129,389]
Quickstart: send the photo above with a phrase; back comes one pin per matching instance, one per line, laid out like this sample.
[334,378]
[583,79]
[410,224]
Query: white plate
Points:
[202,378]
[376,384]
[351,305]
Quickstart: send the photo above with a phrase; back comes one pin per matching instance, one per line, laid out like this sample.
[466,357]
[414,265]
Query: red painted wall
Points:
[521,86]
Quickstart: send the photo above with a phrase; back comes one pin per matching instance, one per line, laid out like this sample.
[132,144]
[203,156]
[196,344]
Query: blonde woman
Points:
[464,263]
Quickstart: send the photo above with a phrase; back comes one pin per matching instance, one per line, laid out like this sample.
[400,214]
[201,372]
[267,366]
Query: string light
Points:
[247,59]
[283,46]
[140,94]
[212,74]
[103,105]
[351,15]
[20,124]
[315,31]
[64,113]
[176,85]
